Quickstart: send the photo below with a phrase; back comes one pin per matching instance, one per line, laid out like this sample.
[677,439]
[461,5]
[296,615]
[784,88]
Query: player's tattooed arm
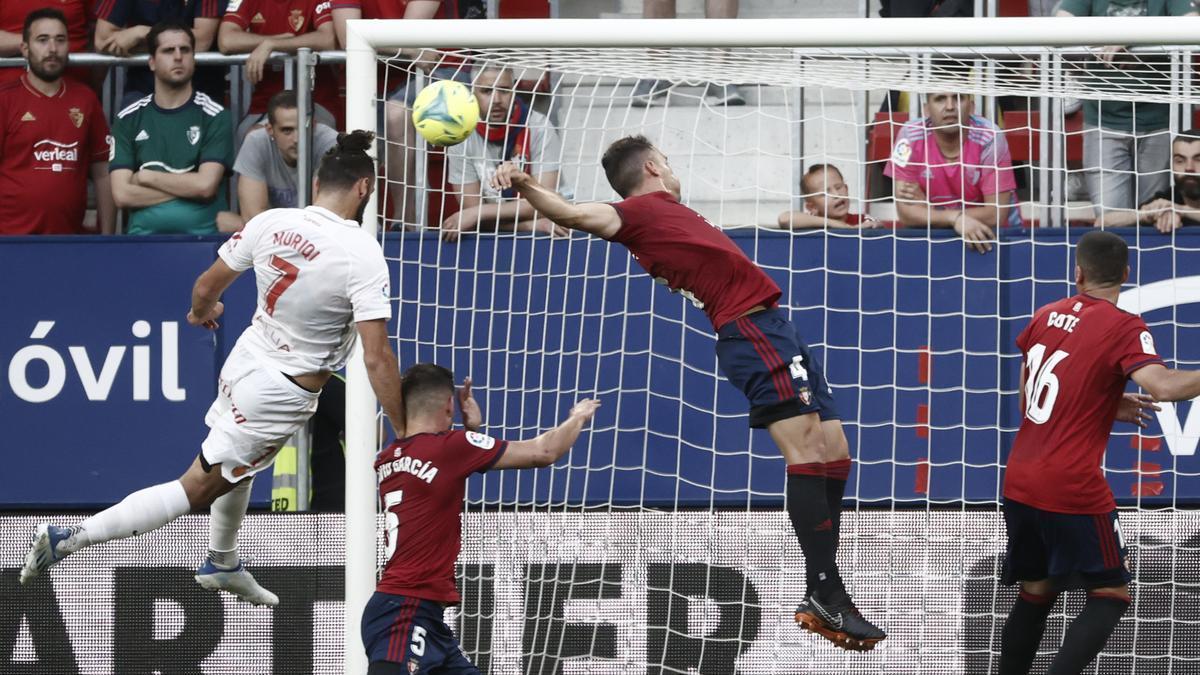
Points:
[599,219]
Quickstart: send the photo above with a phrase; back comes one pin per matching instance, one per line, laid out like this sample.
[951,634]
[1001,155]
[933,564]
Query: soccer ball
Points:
[445,113]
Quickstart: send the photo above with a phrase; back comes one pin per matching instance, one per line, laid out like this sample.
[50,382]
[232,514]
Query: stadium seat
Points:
[524,9]
[1012,8]
[881,136]
[1021,131]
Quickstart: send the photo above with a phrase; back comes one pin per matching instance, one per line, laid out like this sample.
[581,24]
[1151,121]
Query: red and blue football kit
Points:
[760,351]
[1059,510]
[422,482]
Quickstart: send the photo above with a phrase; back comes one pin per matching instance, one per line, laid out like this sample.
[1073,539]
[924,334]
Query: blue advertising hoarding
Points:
[106,385]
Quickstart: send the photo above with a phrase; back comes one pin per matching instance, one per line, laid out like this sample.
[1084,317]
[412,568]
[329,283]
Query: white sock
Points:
[140,512]
[224,522]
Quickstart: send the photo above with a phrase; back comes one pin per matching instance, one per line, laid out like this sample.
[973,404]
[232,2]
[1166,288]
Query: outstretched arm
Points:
[206,294]
[1165,384]
[383,372]
[550,446]
[595,218]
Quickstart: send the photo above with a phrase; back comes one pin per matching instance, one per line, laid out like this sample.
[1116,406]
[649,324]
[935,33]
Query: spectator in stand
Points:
[1177,206]
[259,27]
[1125,145]
[266,163]
[952,168]
[646,92]
[77,13]
[826,202]
[122,27]
[509,132]
[402,156]
[53,135]
[173,146]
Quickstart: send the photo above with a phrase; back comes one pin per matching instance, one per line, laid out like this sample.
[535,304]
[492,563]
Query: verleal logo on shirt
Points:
[193,134]
[1147,342]
[55,154]
[481,441]
[901,153]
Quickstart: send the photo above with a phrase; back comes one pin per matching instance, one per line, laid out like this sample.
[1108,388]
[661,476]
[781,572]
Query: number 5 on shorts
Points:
[417,644]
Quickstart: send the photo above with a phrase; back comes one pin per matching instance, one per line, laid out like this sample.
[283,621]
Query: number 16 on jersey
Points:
[1041,384]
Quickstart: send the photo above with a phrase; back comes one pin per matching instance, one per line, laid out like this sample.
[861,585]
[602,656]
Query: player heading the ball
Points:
[1063,530]
[758,350]
[321,280]
[422,480]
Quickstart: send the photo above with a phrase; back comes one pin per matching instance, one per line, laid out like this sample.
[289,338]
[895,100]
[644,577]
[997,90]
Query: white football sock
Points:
[140,512]
[224,522]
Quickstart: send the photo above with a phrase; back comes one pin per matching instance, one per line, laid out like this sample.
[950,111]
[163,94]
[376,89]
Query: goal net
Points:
[660,543]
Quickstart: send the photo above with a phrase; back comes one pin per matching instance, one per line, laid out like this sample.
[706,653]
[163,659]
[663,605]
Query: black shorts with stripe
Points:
[412,632]
[763,356]
[1070,550]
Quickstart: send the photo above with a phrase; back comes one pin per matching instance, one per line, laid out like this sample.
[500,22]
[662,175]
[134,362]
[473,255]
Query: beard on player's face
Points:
[49,68]
[1188,185]
[362,208]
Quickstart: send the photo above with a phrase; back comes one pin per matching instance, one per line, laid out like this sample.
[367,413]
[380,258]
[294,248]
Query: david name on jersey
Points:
[425,471]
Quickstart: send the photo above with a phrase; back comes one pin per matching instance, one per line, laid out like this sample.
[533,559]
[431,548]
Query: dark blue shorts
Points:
[412,632]
[763,355]
[1070,550]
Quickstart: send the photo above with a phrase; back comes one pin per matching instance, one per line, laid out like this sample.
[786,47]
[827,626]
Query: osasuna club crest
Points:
[193,134]
[76,116]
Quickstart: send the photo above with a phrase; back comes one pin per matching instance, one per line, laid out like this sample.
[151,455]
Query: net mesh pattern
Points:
[915,333]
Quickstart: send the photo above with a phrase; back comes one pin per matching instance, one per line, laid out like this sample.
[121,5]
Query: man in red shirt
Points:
[52,137]
[1063,531]
[79,18]
[422,480]
[259,27]
[758,349]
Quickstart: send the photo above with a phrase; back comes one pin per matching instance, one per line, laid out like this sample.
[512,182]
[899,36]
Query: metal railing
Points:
[299,74]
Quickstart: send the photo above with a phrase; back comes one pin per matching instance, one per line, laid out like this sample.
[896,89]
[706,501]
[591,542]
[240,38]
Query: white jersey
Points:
[317,275]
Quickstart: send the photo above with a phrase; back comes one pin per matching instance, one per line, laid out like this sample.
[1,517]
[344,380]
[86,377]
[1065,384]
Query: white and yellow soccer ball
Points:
[445,113]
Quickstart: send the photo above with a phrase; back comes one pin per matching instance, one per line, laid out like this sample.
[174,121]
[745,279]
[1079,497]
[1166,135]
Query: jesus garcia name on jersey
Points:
[178,141]
[423,470]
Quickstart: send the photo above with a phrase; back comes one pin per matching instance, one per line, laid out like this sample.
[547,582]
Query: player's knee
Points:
[1114,592]
[1041,588]
[836,445]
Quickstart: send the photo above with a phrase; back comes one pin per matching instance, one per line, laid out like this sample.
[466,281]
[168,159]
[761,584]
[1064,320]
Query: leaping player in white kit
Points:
[319,278]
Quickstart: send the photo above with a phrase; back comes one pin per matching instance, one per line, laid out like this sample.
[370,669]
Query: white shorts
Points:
[257,409]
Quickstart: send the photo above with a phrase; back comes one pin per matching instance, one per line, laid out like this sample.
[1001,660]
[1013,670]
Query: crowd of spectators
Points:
[170,160]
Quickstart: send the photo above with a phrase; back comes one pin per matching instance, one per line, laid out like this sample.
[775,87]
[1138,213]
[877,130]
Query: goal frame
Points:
[367,38]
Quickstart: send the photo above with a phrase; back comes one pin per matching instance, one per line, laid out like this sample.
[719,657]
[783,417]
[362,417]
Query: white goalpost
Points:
[660,543]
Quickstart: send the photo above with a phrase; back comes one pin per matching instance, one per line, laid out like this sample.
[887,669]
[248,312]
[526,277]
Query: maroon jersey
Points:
[47,147]
[422,481]
[1078,354]
[693,257]
[277,17]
